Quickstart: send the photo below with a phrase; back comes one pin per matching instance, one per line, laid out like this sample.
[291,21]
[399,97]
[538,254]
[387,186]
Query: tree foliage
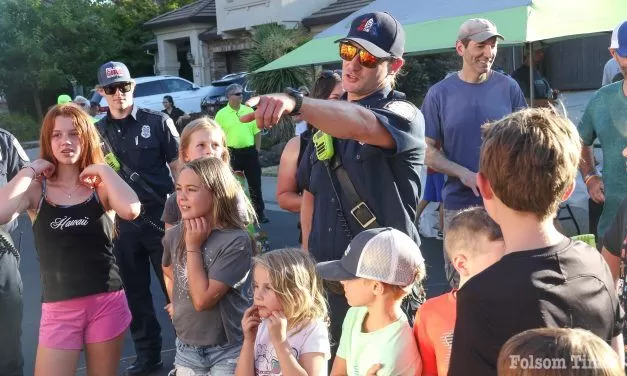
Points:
[270,42]
[420,72]
[49,46]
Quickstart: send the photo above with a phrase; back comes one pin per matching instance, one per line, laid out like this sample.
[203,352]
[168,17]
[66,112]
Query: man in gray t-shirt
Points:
[227,255]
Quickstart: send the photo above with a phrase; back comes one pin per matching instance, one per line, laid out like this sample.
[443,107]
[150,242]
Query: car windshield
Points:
[216,91]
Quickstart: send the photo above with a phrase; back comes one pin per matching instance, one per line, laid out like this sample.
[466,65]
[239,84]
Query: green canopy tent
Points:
[431,26]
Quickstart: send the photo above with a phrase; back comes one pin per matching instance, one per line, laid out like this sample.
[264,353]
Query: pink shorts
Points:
[69,324]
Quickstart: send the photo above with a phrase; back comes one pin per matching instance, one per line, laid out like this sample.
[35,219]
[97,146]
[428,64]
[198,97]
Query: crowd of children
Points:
[244,314]
[530,301]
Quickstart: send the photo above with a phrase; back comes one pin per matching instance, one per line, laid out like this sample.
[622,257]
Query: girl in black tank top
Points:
[79,262]
[70,195]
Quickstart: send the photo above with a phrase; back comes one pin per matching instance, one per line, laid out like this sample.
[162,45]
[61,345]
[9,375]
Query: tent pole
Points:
[531,86]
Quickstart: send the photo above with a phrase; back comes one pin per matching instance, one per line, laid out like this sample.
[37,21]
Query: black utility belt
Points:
[244,148]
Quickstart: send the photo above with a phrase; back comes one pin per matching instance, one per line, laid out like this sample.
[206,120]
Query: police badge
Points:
[145,131]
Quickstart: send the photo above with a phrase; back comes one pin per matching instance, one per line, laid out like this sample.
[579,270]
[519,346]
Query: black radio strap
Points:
[359,209]
[125,172]
[6,245]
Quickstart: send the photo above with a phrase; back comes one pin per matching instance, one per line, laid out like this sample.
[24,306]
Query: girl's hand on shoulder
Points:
[277,327]
[197,230]
[169,308]
[92,175]
[42,168]
[372,371]
[250,322]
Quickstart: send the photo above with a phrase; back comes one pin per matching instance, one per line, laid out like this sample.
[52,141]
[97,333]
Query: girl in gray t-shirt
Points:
[208,254]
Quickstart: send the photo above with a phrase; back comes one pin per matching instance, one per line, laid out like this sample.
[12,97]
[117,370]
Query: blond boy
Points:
[473,242]
[377,270]
[527,167]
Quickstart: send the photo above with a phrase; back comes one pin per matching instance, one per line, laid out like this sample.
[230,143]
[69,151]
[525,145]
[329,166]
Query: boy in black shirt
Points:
[615,250]
[528,166]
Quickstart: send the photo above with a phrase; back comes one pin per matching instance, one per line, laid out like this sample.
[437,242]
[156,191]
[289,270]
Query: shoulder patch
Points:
[20,150]
[404,109]
[170,124]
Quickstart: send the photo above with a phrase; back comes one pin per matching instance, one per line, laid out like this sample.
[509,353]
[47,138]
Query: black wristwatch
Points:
[298,98]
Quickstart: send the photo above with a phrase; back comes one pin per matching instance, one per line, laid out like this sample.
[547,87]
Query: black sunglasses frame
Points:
[113,88]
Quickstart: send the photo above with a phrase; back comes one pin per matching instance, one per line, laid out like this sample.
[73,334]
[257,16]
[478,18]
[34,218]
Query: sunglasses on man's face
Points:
[124,87]
[330,73]
[237,94]
[366,59]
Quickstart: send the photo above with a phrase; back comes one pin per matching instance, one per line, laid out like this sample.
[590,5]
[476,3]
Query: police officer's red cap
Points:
[379,33]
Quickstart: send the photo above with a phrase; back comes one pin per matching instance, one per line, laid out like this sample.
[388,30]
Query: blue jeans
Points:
[206,360]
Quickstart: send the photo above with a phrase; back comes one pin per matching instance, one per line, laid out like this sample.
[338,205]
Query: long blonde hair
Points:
[217,178]
[206,124]
[294,280]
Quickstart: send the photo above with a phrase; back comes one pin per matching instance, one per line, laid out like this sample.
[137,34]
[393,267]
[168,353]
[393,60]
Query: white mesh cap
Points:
[381,254]
[614,38]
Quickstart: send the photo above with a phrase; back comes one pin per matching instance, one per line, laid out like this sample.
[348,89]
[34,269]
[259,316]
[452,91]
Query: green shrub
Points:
[23,127]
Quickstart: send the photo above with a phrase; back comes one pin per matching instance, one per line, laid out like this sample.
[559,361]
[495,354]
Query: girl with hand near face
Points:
[286,329]
[209,256]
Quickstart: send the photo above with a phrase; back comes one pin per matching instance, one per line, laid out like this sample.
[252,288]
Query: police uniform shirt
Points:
[386,179]
[145,141]
[12,159]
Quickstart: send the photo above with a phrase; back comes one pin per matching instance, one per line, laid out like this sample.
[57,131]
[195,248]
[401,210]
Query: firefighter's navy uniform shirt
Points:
[386,179]
[145,141]
[567,285]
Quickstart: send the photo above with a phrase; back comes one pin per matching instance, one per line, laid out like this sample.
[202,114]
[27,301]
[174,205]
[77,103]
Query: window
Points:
[148,88]
[174,84]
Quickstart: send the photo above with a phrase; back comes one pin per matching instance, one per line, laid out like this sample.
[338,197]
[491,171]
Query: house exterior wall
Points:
[167,60]
[244,14]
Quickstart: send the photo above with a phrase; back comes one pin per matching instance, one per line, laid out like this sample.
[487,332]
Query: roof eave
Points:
[179,21]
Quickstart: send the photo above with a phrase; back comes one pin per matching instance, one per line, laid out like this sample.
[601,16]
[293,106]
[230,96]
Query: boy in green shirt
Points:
[378,269]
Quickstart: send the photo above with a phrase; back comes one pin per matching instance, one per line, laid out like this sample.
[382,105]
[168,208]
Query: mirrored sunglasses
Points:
[366,59]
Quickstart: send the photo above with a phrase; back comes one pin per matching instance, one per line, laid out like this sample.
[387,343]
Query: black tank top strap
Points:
[43,194]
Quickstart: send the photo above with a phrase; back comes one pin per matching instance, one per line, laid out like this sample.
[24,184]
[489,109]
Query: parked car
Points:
[149,92]
[216,98]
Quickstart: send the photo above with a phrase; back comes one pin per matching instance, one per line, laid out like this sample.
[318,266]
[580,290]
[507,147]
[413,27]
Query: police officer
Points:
[12,160]
[139,144]
[378,142]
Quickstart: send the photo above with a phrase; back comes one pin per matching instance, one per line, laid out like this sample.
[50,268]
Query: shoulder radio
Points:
[324,145]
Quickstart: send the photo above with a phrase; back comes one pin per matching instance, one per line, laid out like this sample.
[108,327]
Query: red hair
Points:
[90,139]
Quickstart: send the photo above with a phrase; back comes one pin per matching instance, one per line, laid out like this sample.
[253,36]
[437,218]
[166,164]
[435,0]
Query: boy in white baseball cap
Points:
[377,270]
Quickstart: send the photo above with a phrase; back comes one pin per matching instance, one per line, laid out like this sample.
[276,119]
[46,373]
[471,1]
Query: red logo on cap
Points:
[368,26]
[114,72]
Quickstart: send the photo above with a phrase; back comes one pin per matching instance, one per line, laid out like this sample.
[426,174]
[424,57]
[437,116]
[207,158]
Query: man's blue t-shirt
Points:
[454,112]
